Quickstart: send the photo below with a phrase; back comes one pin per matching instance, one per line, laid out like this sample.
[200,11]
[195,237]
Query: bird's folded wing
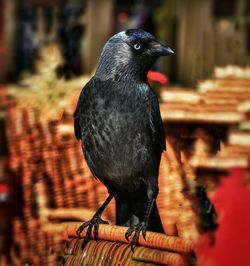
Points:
[77,127]
[156,124]
[81,105]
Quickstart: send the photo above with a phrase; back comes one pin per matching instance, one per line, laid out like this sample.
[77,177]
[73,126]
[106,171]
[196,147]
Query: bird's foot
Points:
[94,222]
[140,227]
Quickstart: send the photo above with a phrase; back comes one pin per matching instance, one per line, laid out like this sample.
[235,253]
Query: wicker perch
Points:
[113,249]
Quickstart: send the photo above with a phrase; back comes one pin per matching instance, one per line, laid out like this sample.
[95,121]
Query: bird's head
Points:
[129,55]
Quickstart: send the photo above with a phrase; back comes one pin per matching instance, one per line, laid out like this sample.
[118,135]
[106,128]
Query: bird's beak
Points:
[158,49]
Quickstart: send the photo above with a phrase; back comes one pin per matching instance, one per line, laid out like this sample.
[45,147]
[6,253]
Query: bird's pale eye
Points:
[137,46]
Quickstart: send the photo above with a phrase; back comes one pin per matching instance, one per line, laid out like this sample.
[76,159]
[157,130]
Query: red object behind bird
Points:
[232,238]
[155,76]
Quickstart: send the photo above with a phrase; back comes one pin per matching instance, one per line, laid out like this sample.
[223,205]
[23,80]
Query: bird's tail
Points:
[125,216]
[155,224]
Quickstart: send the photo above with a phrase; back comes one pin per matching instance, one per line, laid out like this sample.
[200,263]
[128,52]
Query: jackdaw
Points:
[118,121]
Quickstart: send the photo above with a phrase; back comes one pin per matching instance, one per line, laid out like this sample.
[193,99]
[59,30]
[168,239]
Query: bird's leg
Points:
[95,221]
[140,227]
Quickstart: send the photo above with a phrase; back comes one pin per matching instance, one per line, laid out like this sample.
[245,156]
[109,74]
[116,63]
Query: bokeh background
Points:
[50,48]
[203,33]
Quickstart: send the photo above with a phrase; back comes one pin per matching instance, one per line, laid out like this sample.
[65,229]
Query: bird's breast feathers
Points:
[116,129]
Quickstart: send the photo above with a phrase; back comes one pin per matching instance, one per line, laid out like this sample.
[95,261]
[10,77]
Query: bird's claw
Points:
[144,232]
[94,222]
[81,228]
[129,232]
[141,227]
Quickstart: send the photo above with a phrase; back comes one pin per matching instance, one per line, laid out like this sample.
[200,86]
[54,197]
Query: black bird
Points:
[119,122]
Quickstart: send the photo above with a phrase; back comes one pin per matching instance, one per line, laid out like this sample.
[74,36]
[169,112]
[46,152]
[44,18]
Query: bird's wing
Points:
[156,124]
[77,113]
[81,105]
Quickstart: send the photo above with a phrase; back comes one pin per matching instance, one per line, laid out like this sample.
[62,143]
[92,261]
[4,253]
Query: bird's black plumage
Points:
[118,120]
